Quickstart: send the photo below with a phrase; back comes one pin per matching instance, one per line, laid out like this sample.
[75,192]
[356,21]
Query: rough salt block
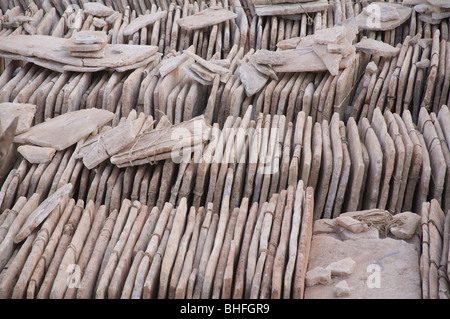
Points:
[343,267]
[353,225]
[410,222]
[341,289]
[35,154]
[345,234]
[318,275]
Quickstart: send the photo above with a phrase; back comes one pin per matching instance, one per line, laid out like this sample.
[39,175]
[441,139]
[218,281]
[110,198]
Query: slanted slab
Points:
[143,21]
[65,130]
[206,18]
[25,113]
[36,154]
[374,47]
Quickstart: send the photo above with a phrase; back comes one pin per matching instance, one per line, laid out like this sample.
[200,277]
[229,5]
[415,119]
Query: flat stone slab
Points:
[65,130]
[90,37]
[206,18]
[384,268]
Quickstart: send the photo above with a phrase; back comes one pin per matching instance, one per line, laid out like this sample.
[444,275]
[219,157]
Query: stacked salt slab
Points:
[89,44]
[430,11]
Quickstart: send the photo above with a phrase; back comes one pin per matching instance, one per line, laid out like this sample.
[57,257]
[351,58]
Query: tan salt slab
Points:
[24,112]
[206,18]
[143,21]
[345,173]
[357,166]
[65,130]
[252,80]
[369,22]
[337,153]
[36,154]
[291,9]
[372,46]
[437,160]
[370,140]
[395,261]
[389,153]
[326,170]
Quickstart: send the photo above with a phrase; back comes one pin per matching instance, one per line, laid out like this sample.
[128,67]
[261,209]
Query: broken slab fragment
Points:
[143,21]
[65,130]
[206,18]
[343,267]
[36,154]
[374,47]
[353,225]
[252,80]
[407,226]
[318,275]
[25,113]
[341,289]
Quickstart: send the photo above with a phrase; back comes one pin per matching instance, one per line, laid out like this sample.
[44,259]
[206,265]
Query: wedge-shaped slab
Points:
[206,18]
[143,21]
[25,113]
[36,154]
[252,80]
[65,130]
[41,212]
[372,46]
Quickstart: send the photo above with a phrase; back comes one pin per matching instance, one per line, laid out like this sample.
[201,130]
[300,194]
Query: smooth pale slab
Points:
[41,212]
[372,46]
[143,21]
[252,80]
[206,18]
[90,37]
[97,9]
[25,113]
[36,154]
[65,130]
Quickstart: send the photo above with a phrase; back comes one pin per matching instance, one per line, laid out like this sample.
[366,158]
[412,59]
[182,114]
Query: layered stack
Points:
[89,44]
[430,11]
